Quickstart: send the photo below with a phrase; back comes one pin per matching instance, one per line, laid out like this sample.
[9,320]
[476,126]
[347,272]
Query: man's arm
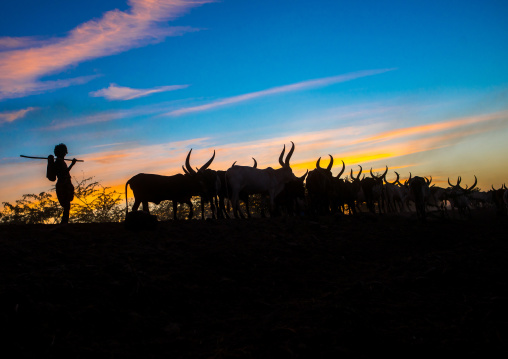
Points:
[72,164]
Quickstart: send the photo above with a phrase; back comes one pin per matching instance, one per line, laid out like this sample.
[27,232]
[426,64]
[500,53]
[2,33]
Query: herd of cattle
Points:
[317,192]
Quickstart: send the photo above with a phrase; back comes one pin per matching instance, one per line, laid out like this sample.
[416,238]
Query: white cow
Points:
[254,180]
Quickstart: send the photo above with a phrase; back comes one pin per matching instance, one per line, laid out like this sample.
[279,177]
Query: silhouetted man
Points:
[64,188]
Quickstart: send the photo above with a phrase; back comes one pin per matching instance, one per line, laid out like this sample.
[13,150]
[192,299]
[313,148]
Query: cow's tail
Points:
[126,201]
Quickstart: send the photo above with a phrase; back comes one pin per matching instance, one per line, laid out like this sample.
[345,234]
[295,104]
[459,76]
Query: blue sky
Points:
[131,86]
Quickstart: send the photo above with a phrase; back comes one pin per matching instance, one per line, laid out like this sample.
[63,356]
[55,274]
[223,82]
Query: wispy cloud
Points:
[117,31]
[11,116]
[9,43]
[103,116]
[115,93]
[304,85]
[435,127]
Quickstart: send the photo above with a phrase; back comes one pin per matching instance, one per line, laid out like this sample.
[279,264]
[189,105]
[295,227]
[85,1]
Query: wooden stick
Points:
[45,158]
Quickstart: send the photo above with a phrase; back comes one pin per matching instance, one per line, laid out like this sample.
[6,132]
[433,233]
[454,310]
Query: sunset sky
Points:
[131,86]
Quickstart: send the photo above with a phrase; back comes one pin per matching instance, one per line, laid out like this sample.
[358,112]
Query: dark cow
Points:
[419,192]
[373,191]
[395,195]
[210,181]
[341,195]
[459,197]
[292,198]
[352,192]
[498,199]
[155,188]
[320,188]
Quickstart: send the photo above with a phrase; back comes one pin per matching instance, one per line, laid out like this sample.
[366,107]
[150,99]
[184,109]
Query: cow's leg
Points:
[191,209]
[202,208]
[213,207]
[246,201]
[222,212]
[145,207]
[175,209]
[234,202]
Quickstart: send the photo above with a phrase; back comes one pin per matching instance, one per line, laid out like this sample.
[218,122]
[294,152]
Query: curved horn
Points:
[329,168]
[351,175]
[187,164]
[450,183]
[394,182]
[359,173]
[372,174]
[255,163]
[428,181]
[184,170]
[474,184]
[290,153]
[459,179]
[492,187]
[386,171]
[206,165]
[397,180]
[342,171]
[233,165]
[318,166]
[282,156]
[302,178]
[504,186]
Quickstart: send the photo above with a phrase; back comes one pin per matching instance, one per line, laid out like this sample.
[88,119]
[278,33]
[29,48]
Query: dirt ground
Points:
[325,287]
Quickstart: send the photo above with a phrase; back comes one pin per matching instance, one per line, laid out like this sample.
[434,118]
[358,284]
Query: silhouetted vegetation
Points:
[93,202]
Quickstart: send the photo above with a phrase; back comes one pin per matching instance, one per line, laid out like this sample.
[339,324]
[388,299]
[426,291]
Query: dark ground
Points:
[263,288]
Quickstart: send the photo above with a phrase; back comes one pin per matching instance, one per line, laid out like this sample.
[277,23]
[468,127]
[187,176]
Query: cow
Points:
[437,198]
[320,188]
[459,197]
[155,188]
[254,180]
[210,181]
[373,191]
[505,199]
[341,193]
[355,192]
[225,191]
[394,195]
[498,196]
[419,193]
[291,199]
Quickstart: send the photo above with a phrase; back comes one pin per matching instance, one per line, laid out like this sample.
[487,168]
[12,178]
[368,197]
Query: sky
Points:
[130,86]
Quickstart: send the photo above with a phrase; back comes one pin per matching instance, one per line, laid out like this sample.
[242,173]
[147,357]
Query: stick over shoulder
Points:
[45,158]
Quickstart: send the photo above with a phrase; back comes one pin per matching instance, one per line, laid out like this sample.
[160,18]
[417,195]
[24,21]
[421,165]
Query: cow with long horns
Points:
[419,193]
[459,197]
[209,181]
[394,195]
[320,188]
[254,180]
[374,191]
[178,188]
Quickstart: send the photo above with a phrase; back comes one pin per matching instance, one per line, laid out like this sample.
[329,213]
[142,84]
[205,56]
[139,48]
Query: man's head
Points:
[60,150]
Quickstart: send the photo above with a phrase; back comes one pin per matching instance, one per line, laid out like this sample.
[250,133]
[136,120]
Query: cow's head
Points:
[286,168]
[204,177]
[458,190]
